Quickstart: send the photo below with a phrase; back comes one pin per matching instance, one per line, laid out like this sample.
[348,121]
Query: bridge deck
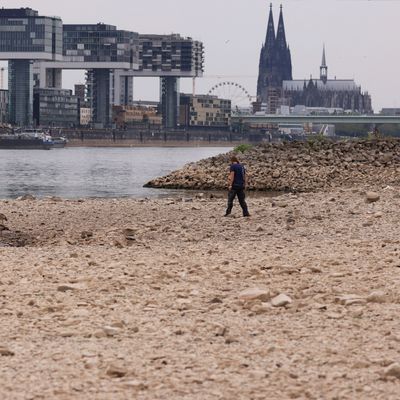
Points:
[317,119]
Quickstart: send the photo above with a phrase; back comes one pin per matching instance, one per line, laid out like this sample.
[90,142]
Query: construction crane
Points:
[2,69]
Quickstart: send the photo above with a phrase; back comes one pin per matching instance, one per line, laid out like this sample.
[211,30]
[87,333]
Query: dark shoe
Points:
[227,215]
[246,215]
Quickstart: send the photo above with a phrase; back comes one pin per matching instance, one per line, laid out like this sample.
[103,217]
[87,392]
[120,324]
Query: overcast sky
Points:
[361,37]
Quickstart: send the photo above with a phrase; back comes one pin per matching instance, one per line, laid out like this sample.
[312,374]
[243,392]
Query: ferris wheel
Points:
[234,92]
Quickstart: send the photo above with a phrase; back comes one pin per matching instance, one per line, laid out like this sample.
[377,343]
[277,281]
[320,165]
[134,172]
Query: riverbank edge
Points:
[153,143]
[295,167]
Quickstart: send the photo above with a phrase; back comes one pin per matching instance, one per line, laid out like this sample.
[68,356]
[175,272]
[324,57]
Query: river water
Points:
[79,172]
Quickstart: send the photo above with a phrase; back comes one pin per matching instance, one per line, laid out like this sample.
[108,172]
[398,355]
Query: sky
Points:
[361,38]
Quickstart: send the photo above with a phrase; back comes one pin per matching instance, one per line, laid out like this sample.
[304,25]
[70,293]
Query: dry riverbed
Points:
[166,299]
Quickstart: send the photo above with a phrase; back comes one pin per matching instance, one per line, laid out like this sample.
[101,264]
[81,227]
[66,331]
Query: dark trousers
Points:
[239,192]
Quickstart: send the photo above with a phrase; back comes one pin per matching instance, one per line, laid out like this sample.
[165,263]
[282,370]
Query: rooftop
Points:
[18,12]
[331,84]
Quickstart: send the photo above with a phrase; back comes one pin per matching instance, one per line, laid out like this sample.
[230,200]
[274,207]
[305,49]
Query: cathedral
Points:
[276,86]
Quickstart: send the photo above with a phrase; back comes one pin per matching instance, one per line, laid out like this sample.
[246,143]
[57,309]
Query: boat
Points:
[59,141]
[26,139]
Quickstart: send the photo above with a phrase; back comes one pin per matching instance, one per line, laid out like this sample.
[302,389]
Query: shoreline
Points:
[155,143]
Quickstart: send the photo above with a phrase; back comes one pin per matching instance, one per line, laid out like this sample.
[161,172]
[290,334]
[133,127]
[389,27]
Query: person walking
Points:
[237,181]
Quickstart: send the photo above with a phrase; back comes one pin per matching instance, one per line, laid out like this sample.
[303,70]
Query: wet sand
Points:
[148,299]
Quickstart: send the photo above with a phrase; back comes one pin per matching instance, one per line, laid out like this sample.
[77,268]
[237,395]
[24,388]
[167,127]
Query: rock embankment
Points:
[297,167]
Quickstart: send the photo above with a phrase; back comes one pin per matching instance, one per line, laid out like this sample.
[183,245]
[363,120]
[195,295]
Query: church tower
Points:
[266,58]
[275,64]
[283,57]
[323,68]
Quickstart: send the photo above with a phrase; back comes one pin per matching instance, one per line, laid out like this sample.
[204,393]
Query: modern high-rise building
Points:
[26,36]
[103,49]
[171,57]
[40,48]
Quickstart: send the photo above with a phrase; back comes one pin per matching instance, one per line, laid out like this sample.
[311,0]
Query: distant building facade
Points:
[80,92]
[390,111]
[105,48]
[125,116]
[170,53]
[172,56]
[3,106]
[55,107]
[85,116]
[276,86]
[204,111]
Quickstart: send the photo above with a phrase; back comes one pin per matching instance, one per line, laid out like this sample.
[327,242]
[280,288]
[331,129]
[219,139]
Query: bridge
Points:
[271,119]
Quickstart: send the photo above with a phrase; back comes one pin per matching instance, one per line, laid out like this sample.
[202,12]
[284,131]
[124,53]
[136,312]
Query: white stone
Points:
[255,294]
[111,331]
[281,300]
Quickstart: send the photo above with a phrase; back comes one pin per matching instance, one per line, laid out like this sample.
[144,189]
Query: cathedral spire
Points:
[275,63]
[270,37]
[281,35]
[323,64]
[323,68]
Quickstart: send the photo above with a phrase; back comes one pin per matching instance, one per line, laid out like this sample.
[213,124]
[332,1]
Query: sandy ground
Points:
[144,299]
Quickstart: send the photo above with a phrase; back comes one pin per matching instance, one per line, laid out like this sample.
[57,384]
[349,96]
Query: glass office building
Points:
[171,55]
[26,36]
[100,43]
[101,49]
[55,108]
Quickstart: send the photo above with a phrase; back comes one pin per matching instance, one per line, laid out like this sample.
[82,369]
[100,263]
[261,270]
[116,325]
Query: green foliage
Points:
[242,148]
[316,139]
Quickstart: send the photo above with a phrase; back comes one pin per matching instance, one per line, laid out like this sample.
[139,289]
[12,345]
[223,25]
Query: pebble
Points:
[349,299]
[135,384]
[116,371]
[5,351]
[65,288]
[281,300]
[261,308]
[372,197]
[255,294]
[393,370]
[67,333]
[376,297]
[111,331]
[276,174]
[86,234]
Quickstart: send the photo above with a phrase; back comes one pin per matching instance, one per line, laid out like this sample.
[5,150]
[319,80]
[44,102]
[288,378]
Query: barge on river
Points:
[26,139]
